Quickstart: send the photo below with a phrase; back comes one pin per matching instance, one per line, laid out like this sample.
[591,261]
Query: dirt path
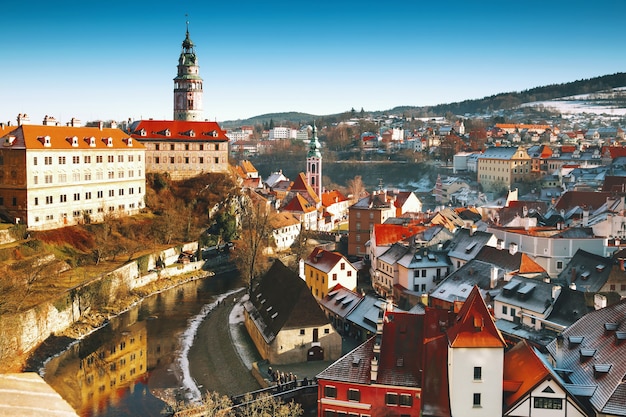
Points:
[215,364]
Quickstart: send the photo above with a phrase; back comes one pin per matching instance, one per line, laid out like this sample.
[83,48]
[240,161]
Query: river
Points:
[115,370]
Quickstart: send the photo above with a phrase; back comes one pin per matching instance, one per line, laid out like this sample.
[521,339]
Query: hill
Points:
[485,105]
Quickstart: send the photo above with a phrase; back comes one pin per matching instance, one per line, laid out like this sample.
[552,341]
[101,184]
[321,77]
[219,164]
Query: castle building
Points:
[314,164]
[55,176]
[186,146]
[188,84]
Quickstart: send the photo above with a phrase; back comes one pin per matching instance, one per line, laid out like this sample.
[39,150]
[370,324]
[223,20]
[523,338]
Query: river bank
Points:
[91,321]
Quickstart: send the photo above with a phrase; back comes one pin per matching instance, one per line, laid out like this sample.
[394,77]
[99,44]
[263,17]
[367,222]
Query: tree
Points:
[216,405]
[253,238]
[356,187]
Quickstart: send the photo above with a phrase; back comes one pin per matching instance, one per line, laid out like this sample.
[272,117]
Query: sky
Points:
[116,60]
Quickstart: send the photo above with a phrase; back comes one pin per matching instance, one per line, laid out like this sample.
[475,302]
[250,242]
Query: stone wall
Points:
[24,331]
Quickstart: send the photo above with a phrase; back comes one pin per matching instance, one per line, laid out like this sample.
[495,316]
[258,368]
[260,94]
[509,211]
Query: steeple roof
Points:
[314,145]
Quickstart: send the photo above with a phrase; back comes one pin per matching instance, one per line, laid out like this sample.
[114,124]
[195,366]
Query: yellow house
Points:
[501,167]
[323,270]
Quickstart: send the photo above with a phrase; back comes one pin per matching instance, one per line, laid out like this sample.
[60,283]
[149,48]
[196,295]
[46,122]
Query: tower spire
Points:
[314,163]
[188,84]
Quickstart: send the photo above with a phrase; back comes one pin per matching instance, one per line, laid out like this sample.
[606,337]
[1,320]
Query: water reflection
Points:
[116,370]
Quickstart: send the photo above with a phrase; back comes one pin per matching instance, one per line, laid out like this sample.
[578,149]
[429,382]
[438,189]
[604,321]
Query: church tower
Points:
[188,84]
[314,164]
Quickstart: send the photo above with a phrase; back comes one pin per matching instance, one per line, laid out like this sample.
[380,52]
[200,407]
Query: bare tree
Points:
[253,238]
[356,187]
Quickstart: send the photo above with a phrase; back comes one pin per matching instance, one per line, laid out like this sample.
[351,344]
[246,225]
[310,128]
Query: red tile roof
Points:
[523,370]
[301,186]
[571,199]
[299,204]
[179,130]
[474,327]
[324,260]
[388,234]
[331,197]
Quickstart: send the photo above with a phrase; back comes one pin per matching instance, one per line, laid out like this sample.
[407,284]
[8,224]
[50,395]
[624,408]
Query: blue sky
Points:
[101,60]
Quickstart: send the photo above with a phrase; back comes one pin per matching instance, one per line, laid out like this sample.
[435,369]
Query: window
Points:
[423,273]
[99,159]
[49,199]
[88,195]
[172,147]
[35,160]
[120,191]
[334,277]
[61,160]
[476,399]
[349,273]
[171,159]
[301,332]
[330,391]
[548,403]
[391,398]
[216,160]
[76,159]
[76,197]
[478,373]
[505,310]
[406,400]
[110,158]
[559,265]
[36,201]
[120,158]
[87,159]
[343,266]
[354,395]
[47,160]
[63,198]
[201,160]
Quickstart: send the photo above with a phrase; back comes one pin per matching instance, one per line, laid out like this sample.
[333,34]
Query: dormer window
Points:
[142,132]
[9,140]
[92,142]
[45,140]
[129,142]
[74,141]
[168,132]
[192,133]
[108,141]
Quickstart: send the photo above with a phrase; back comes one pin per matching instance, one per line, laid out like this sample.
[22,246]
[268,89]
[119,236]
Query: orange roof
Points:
[474,327]
[331,197]
[62,137]
[301,186]
[528,266]
[299,204]
[523,370]
[178,130]
[388,234]
[282,219]
[247,166]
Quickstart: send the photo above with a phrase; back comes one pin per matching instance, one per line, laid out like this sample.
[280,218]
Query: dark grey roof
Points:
[589,272]
[465,245]
[458,285]
[601,334]
[282,300]
[569,306]
[527,293]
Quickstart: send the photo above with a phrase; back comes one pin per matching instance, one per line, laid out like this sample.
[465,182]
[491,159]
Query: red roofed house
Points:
[323,270]
[433,364]
[304,202]
[335,204]
[53,176]
[182,149]
[532,387]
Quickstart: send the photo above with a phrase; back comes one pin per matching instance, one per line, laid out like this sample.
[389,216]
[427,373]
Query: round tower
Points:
[188,84]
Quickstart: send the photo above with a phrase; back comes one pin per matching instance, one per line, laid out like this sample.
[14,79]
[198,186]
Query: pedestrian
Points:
[305,382]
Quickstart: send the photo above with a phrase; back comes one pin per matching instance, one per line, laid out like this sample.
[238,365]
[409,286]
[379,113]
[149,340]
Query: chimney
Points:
[473,229]
[74,122]
[512,248]
[100,125]
[585,217]
[494,277]
[23,119]
[499,244]
[113,124]
[558,352]
[556,290]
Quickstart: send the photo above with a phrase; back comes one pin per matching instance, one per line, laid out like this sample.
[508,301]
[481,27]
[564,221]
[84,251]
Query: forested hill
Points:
[502,101]
[510,100]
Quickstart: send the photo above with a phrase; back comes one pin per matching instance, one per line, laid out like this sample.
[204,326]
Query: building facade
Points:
[182,149]
[323,270]
[56,176]
[501,167]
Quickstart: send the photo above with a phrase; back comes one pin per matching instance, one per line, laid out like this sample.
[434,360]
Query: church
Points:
[186,146]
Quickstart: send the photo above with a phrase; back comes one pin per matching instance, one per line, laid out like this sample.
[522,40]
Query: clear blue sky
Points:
[101,60]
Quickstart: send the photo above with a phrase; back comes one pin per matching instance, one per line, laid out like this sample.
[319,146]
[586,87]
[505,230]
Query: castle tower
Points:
[314,164]
[188,84]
